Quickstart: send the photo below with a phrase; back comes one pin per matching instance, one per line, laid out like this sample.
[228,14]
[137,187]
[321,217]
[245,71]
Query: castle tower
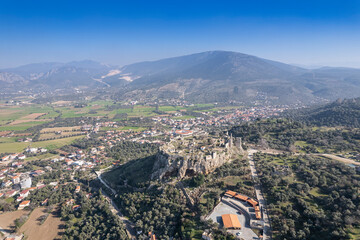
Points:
[239,144]
[231,140]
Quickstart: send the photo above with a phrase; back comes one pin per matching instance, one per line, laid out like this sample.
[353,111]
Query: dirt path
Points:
[337,158]
[331,156]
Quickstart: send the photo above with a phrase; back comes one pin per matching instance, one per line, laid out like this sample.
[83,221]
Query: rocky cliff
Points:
[173,163]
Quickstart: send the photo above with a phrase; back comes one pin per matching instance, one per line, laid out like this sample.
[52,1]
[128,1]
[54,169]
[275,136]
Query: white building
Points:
[25,183]
[43,150]
[32,150]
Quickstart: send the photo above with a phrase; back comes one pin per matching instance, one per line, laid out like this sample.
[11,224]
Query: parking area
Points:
[228,207]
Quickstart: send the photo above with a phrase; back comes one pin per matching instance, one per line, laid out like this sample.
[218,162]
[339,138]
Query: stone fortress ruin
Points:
[196,154]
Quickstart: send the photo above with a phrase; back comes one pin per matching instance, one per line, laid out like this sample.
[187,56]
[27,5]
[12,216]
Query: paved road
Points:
[260,196]
[114,209]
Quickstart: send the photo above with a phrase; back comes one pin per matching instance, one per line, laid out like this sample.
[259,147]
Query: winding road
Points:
[130,227]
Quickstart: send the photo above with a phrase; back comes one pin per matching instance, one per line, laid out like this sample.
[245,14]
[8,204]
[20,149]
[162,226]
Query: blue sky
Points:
[121,32]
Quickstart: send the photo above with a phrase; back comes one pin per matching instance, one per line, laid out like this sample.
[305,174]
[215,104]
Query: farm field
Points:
[56,129]
[42,157]
[141,114]
[170,108]
[100,108]
[21,127]
[17,115]
[61,135]
[127,128]
[18,119]
[12,113]
[7,219]
[136,111]
[7,139]
[50,145]
[27,118]
[61,102]
[50,229]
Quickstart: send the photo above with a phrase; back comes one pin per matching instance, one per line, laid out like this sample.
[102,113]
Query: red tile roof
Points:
[231,221]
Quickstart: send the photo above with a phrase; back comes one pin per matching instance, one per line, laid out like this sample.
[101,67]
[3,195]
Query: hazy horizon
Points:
[304,33]
[306,66]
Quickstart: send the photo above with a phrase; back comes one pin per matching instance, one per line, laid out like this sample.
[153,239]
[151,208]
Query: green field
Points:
[12,113]
[50,115]
[70,113]
[136,111]
[95,108]
[170,108]
[132,128]
[15,112]
[100,108]
[203,105]
[42,157]
[22,126]
[50,145]
[101,103]
[8,139]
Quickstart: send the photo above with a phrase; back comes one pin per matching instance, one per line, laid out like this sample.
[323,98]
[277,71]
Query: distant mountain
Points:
[214,76]
[223,76]
[339,113]
[34,68]
[54,75]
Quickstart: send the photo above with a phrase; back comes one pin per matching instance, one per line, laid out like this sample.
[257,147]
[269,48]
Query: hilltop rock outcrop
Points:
[191,156]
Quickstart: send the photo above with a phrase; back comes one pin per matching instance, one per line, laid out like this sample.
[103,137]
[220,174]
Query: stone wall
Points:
[173,164]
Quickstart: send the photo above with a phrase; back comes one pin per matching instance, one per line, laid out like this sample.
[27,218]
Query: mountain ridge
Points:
[212,76]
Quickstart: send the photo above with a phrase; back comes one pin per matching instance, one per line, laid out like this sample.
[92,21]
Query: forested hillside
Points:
[310,197]
[340,113]
[285,134]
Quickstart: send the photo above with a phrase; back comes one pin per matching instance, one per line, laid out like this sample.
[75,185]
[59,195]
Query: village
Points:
[18,183]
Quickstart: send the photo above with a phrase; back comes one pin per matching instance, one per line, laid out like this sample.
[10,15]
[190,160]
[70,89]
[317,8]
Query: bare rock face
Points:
[193,159]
